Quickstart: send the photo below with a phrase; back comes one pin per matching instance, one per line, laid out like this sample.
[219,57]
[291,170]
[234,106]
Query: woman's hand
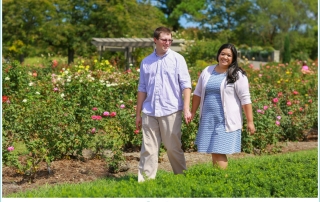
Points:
[250,128]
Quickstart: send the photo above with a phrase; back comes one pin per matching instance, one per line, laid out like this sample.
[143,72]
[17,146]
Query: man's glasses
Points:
[166,40]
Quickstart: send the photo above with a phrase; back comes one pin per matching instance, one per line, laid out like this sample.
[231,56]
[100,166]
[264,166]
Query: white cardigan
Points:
[233,96]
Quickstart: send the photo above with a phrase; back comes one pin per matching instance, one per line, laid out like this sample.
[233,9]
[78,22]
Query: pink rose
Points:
[10,149]
[95,117]
[295,92]
[265,107]
[289,103]
[56,89]
[106,113]
[54,63]
[93,130]
[122,106]
[278,123]
[275,100]
[95,109]
[290,112]
[278,117]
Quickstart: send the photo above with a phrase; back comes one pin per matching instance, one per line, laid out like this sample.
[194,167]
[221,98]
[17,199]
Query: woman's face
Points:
[225,57]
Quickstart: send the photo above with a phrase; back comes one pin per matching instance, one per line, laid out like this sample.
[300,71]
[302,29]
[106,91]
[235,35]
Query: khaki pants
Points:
[156,129]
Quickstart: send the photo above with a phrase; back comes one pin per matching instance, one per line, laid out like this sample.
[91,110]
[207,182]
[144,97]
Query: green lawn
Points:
[41,60]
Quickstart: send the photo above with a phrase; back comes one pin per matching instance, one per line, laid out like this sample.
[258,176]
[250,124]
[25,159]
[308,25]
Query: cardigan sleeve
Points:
[198,90]
[242,89]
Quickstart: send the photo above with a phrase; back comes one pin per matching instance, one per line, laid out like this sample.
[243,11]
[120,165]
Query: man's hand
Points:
[138,122]
[187,116]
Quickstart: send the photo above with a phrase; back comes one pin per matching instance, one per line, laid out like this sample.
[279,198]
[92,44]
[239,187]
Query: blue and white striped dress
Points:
[212,136]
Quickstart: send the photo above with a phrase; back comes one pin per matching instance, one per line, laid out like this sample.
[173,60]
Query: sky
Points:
[183,22]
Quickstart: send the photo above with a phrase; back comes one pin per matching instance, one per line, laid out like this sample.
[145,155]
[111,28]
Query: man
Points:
[164,77]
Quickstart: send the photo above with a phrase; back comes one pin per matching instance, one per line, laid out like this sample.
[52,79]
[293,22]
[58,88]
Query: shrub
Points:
[57,111]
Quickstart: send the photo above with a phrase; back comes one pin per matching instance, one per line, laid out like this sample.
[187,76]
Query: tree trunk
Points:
[175,27]
[21,58]
[70,55]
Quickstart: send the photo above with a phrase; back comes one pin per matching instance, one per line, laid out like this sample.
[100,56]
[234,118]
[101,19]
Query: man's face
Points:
[163,43]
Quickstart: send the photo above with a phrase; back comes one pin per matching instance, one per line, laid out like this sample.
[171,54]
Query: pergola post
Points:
[126,56]
[130,59]
[100,57]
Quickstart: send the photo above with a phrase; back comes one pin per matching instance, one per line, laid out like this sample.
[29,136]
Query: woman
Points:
[222,92]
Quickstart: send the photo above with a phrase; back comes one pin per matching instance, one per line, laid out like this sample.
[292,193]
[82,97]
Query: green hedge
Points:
[291,175]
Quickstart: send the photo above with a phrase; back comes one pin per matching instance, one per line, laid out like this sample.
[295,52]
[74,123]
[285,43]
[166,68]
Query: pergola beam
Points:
[128,44]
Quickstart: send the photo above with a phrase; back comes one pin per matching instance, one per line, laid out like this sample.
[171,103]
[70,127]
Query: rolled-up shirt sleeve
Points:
[184,76]
[142,84]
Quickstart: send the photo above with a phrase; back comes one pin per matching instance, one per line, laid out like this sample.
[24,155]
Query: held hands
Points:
[187,116]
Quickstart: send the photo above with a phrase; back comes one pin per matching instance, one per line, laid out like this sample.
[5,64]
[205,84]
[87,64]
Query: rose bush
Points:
[282,104]
[57,111]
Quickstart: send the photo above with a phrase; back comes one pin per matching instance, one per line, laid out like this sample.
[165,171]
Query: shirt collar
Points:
[168,51]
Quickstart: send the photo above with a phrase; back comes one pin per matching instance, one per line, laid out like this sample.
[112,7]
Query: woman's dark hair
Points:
[232,72]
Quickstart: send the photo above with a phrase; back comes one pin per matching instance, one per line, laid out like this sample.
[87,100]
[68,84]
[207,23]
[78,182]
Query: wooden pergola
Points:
[127,45]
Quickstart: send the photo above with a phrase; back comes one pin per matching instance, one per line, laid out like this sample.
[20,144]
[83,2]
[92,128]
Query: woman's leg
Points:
[220,160]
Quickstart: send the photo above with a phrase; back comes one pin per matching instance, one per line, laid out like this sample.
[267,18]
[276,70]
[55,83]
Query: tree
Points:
[70,30]
[125,18]
[192,10]
[167,7]
[272,17]
[286,53]
[217,18]
[22,21]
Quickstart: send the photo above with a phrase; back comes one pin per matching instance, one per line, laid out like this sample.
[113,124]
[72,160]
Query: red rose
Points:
[136,131]
[113,114]
[5,98]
